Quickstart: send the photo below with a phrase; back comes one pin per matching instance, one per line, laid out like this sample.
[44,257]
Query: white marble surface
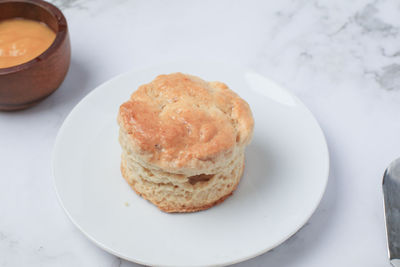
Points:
[342,58]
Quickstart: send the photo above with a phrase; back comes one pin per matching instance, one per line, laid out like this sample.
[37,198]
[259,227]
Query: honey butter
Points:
[22,40]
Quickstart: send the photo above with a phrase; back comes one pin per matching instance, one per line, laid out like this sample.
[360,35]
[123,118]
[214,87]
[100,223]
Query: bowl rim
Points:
[61,34]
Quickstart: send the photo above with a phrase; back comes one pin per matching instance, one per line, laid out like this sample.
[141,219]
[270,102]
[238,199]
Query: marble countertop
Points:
[341,58]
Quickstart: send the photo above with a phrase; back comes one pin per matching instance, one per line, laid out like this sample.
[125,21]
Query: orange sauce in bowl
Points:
[22,40]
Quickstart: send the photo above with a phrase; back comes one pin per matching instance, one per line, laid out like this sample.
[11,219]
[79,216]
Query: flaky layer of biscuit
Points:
[172,194]
[181,124]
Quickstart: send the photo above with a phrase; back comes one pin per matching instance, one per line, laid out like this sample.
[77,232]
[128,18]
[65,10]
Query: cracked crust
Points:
[180,123]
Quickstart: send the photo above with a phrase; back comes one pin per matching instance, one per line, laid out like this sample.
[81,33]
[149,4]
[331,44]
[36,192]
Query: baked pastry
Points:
[183,141]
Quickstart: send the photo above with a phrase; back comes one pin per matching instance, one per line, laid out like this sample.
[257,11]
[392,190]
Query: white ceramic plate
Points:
[285,177]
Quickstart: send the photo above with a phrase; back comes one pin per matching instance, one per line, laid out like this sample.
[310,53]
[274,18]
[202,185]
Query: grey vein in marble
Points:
[386,54]
[390,78]
[369,22]
[69,4]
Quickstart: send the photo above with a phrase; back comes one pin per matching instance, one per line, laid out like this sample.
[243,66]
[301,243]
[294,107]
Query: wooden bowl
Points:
[25,85]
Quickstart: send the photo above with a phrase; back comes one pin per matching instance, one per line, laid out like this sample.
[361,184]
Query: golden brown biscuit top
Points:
[179,118]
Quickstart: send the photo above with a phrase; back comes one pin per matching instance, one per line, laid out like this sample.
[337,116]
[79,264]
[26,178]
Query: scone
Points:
[183,141]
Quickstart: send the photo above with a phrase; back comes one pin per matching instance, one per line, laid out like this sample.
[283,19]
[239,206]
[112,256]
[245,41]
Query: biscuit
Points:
[183,141]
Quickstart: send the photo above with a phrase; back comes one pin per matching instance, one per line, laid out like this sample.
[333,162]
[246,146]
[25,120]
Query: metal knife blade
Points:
[391,195]
[395,262]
